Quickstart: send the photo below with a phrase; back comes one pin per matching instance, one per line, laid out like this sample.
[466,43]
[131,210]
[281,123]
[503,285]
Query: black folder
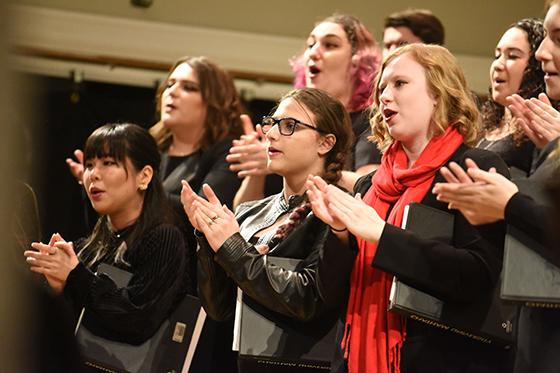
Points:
[170,349]
[486,320]
[529,279]
[273,339]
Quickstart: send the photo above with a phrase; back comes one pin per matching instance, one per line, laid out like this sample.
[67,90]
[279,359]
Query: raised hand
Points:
[538,119]
[54,261]
[481,199]
[340,210]
[188,196]
[316,193]
[76,166]
[359,218]
[216,221]
[248,155]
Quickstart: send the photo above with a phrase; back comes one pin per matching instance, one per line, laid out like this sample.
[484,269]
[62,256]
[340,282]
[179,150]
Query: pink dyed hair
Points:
[366,52]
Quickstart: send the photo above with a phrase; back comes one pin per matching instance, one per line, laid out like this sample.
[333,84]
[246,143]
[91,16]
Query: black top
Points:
[202,167]
[538,329]
[364,151]
[529,210]
[134,313]
[454,273]
[518,158]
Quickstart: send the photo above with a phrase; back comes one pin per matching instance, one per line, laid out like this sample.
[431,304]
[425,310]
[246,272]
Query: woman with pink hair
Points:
[341,58]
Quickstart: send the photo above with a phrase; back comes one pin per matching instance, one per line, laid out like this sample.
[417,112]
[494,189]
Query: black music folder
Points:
[529,279]
[276,340]
[170,349]
[486,320]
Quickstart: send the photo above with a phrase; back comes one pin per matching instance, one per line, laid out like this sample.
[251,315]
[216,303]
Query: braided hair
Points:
[531,85]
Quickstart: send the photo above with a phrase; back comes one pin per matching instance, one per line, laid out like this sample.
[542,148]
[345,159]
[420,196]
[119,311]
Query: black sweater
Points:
[134,313]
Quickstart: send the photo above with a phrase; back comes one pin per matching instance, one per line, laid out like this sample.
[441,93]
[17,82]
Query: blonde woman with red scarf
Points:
[425,118]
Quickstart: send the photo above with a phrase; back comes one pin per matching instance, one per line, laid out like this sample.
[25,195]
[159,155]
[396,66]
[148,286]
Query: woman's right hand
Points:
[54,260]
[76,167]
[316,192]
[247,156]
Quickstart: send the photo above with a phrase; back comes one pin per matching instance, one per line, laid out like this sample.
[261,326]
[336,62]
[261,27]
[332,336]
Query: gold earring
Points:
[143,187]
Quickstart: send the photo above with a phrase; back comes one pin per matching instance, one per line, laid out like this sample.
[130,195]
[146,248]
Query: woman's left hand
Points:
[360,219]
[316,193]
[537,117]
[215,220]
[54,261]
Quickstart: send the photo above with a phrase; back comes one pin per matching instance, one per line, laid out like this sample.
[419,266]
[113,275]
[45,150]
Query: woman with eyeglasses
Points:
[341,58]
[309,133]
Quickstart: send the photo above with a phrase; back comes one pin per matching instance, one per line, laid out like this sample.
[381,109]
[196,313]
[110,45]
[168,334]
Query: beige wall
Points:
[256,37]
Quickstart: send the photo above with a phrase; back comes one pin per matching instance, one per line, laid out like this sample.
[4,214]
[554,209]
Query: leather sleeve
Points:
[321,279]
[216,290]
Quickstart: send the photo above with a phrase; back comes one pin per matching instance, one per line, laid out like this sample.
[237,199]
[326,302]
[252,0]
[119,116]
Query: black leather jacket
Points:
[320,282]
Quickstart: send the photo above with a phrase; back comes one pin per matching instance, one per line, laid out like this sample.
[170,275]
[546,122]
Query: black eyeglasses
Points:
[286,126]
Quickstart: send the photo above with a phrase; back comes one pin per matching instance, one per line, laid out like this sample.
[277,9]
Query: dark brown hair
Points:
[531,85]
[221,99]
[330,117]
[423,23]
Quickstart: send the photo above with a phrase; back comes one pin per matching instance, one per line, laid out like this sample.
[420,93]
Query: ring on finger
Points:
[214,217]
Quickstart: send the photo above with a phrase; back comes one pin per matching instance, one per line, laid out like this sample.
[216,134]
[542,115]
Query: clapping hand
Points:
[77,167]
[247,156]
[210,216]
[539,120]
[54,260]
[340,210]
[480,195]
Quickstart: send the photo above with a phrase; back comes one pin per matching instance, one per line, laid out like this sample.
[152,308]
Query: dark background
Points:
[65,113]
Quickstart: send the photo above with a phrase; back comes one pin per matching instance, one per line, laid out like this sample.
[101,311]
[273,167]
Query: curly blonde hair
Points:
[446,81]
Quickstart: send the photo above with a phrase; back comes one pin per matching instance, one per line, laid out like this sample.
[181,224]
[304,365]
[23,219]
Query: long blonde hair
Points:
[446,81]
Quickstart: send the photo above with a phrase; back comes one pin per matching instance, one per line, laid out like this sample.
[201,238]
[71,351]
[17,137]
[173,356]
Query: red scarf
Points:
[373,337]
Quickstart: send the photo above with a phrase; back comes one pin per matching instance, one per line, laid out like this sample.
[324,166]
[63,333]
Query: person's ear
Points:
[144,177]
[326,144]
[354,63]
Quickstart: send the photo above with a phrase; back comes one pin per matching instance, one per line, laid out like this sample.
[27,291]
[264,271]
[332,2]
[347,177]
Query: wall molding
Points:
[48,41]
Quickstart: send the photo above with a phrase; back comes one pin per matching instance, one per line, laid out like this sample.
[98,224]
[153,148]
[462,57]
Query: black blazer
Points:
[538,336]
[454,273]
